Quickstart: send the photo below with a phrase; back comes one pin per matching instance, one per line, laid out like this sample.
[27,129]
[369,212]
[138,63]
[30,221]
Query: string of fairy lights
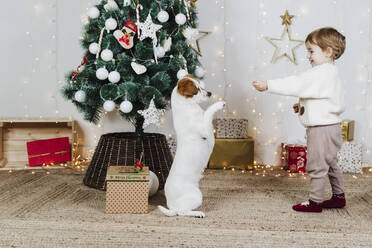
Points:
[253,102]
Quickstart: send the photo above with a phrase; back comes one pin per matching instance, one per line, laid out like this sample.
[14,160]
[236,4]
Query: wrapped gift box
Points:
[294,158]
[231,128]
[127,190]
[48,151]
[350,157]
[237,153]
[348,130]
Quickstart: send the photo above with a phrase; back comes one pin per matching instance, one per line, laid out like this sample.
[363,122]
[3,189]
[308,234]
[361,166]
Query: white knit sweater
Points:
[320,91]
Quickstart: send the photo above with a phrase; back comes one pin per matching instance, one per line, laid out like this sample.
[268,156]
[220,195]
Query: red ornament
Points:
[83,62]
[131,26]
[125,37]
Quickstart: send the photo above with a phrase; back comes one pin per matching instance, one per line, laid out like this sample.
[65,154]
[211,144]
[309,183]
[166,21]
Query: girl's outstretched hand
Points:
[260,85]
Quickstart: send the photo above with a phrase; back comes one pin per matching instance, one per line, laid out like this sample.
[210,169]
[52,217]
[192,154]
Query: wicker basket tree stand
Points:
[123,149]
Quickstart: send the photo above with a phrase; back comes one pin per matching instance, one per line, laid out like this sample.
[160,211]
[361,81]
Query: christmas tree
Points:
[137,50]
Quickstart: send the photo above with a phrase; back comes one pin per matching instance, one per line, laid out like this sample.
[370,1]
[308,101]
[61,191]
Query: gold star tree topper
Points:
[285,46]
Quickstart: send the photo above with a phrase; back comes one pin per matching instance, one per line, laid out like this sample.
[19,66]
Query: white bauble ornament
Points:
[160,51]
[126,106]
[114,77]
[180,19]
[153,184]
[93,12]
[181,73]
[93,48]
[199,72]
[111,24]
[163,16]
[109,105]
[80,96]
[107,55]
[102,73]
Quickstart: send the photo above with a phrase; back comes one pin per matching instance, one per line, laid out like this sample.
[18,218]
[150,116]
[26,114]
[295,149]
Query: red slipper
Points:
[308,206]
[337,201]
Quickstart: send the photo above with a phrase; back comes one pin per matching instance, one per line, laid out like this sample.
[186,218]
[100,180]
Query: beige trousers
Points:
[323,143]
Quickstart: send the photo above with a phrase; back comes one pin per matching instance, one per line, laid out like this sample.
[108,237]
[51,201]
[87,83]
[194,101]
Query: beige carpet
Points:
[242,210]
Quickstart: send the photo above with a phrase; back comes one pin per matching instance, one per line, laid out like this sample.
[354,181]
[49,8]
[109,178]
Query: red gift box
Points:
[294,158]
[48,151]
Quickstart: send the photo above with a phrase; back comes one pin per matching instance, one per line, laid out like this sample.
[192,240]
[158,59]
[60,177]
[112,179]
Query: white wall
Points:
[34,64]
[248,57]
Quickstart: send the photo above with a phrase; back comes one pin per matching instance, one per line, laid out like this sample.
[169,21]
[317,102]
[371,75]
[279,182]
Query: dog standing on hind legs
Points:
[195,141]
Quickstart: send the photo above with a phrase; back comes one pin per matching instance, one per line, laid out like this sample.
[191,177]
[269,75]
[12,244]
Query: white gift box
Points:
[231,128]
[350,157]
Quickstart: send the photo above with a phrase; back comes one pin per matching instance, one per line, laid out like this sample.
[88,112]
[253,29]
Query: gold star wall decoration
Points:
[286,18]
[203,35]
[285,46]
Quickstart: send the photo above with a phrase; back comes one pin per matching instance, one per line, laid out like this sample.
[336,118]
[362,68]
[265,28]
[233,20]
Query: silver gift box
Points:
[231,128]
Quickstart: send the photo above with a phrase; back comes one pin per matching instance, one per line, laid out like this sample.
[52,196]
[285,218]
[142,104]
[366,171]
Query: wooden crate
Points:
[14,133]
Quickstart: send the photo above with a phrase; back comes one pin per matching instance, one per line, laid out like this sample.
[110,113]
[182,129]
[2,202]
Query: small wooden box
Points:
[15,133]
[127,190]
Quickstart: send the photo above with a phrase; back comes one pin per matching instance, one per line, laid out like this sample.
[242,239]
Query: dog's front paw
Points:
[220,105]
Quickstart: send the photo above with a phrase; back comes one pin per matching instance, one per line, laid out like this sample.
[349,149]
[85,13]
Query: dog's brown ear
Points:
[187,88]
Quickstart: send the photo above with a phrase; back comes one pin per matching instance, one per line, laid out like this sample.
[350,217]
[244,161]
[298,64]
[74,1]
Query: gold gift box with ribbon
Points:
[232,153]
[347,127]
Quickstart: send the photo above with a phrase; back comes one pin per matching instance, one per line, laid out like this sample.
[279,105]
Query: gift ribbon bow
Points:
[139,164]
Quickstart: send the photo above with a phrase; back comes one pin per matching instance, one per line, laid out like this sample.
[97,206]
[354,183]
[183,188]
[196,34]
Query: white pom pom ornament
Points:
[107,55]
[180,19]
[102,73]
[109,105]
[126,106]
[93,12]
[163,16]
[181,73]
[160,51]
[80,96]
[93,48]
[111,24]
[114,77]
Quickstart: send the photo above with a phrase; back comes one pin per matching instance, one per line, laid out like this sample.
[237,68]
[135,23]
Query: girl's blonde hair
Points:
[328,37]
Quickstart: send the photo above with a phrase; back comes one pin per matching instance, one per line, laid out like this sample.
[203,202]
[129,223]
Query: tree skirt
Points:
[122,149]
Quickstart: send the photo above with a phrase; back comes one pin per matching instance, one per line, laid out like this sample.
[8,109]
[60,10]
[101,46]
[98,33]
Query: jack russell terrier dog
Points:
[195,141]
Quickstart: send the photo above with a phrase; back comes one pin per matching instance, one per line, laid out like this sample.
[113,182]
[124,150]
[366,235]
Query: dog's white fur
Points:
[195,141]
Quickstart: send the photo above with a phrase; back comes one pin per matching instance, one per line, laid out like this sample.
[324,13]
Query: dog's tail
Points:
[167,212]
